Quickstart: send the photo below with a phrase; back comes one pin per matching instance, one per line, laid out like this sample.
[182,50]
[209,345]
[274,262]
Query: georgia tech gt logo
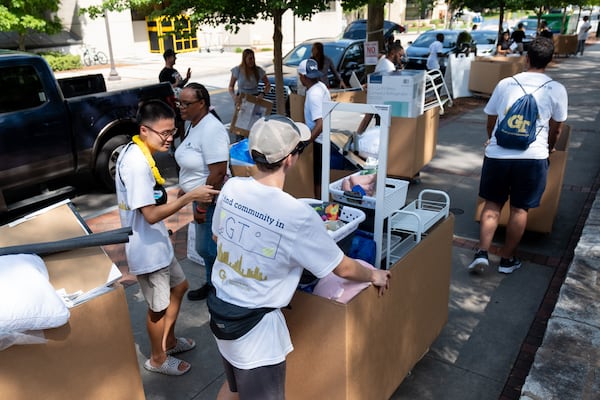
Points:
[519,123]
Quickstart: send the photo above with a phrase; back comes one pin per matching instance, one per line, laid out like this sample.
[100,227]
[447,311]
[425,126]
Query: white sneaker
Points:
[480,261]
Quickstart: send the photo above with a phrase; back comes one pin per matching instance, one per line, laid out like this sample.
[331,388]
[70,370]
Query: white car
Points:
[486,42]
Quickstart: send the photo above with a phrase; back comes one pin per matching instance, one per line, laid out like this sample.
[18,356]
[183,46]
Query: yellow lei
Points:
[159,179]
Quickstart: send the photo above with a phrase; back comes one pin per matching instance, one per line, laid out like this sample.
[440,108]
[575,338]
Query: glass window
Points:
[21,89]
[299,53]
[354,54]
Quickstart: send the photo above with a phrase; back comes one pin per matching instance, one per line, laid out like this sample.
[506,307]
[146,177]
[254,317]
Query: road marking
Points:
[217,91]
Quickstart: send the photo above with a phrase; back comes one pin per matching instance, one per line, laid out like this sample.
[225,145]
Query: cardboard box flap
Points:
[251,109]
[78,270]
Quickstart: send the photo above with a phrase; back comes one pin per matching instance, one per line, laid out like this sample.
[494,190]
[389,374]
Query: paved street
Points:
[496,322]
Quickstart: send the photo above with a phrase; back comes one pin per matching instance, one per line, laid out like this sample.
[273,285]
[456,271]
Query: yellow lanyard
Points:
[159,179]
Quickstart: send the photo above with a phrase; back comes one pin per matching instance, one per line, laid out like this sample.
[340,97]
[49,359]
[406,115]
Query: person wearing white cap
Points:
[265,238]
[316,94]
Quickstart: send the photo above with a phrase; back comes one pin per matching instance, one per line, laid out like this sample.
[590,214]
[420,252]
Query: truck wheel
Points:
[106,163]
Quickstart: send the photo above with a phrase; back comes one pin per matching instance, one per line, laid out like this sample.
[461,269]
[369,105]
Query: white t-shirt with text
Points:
[265,238]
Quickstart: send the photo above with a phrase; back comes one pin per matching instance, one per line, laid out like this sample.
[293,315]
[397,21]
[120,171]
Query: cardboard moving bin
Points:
[364,349]
[299,180]
[541,219]
[412,141]
[93,355]
[486,72]
[564,44]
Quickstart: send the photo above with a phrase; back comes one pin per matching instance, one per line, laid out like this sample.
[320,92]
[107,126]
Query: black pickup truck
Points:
[51,129]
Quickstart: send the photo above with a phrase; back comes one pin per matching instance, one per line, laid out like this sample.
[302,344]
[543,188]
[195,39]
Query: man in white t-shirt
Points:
[518,174]
[436,49]
[389,63]
[583,35]
[265,238]
[316,94]
[143,206]
[392,59]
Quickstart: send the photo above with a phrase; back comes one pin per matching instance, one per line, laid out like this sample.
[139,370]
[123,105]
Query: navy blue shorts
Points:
[523,180]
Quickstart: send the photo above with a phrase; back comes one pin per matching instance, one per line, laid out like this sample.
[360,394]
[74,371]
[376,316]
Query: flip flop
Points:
[169,367]
[182,345]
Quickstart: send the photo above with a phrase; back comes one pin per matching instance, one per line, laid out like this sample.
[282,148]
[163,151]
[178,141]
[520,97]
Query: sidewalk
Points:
[503,332]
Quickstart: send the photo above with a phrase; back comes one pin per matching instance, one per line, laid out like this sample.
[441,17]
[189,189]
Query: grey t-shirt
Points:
[247,84]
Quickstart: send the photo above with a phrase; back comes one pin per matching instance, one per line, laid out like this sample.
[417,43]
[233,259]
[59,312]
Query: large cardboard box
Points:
[350,96]
[412,141]
[541,219]
[564,44]
[403,90]
[486,72]
[299,181]
[297,107]
[93,356]
[365,348]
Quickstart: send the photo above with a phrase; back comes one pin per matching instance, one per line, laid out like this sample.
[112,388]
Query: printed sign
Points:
[371,53]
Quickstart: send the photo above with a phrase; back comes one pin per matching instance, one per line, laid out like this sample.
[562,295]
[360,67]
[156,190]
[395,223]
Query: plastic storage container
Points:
[395,194]
[350,216]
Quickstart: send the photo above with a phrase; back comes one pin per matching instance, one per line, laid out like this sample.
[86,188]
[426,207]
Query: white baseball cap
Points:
[276,136]
[309,68]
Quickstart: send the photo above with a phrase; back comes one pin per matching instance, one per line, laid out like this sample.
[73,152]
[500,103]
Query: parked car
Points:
[486,42]
[52,129]
[416,53]
[531,29]
[358,29]
[347,55]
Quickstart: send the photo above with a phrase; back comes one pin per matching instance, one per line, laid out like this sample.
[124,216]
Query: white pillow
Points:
[27,299]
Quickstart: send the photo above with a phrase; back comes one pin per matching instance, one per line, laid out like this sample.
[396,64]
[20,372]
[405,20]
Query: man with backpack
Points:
[526,114]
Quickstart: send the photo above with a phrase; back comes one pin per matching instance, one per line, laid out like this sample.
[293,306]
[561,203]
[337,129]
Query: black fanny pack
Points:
[230,322]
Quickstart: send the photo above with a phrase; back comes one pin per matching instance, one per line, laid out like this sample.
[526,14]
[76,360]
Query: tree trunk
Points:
[22,41]
[375,27]
[501,20]
[277,62]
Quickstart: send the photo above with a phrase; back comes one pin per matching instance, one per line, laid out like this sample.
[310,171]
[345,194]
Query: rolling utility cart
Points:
[386,201]
[406,226]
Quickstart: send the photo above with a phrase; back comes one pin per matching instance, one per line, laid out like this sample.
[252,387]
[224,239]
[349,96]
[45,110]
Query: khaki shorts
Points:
[156,286]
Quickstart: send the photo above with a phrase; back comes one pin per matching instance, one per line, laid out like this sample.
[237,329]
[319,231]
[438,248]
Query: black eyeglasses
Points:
[182,104]
[164,134]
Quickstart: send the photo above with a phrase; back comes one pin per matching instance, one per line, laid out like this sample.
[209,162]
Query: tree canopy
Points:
[24,16]
[232,14]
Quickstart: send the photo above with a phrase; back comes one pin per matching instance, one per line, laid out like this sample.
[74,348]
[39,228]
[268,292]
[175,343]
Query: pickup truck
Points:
[47,132]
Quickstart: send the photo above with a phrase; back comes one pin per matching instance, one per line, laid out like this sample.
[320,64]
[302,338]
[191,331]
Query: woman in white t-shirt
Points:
[203,160]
